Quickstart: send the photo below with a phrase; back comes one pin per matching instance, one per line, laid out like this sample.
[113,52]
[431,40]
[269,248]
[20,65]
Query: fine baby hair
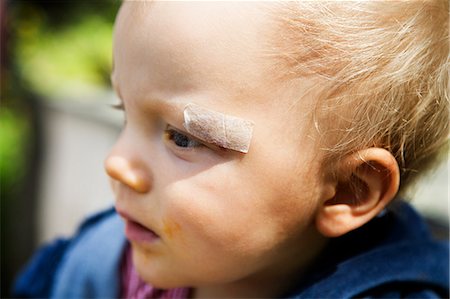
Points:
[264,148]
[384,66]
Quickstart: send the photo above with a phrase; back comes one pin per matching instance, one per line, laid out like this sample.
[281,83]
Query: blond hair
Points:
[386,68]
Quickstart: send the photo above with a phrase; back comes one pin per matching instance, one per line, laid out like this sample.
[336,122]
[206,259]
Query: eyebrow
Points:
[217,128]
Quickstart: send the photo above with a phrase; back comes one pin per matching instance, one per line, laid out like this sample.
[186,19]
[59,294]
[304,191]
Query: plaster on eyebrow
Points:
[217,128]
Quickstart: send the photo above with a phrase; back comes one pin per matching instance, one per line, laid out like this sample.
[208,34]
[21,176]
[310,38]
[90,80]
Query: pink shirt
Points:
[132,286]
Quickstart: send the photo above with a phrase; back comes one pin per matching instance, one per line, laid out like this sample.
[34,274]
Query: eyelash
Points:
[118,106]
[180,139]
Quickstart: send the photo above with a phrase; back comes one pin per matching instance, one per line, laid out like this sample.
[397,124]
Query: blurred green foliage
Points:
[68,61]
[14,129]
[64,56]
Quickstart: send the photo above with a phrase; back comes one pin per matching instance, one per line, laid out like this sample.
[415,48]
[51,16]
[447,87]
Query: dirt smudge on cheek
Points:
[171,229]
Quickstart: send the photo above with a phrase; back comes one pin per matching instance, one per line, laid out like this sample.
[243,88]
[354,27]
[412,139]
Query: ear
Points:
[365,183]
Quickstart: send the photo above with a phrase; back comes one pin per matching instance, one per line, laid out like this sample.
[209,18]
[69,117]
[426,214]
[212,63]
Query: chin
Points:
[158,278]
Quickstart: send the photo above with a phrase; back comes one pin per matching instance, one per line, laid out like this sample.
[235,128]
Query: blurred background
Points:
[56,125]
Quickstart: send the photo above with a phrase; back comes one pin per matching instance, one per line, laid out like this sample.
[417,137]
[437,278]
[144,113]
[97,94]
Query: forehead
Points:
[182,45]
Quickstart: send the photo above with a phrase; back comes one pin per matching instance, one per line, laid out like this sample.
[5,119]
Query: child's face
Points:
[221,216]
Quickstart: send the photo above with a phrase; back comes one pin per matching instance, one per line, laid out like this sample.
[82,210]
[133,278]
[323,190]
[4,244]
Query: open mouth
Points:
[136,232]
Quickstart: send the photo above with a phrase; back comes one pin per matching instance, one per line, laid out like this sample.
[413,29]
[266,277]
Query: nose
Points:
[122,170]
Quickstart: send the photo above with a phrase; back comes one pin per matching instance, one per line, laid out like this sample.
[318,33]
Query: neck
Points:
[271,282]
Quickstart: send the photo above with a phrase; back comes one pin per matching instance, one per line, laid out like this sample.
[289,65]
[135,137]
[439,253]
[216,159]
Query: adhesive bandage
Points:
[217,128]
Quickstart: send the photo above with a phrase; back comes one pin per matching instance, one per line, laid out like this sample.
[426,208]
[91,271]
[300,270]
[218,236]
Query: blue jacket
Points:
[393,256]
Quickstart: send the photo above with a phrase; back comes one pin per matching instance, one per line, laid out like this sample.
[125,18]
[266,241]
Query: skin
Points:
[230,224]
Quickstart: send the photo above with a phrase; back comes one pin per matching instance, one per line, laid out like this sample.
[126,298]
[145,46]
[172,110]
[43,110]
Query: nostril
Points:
[119,169]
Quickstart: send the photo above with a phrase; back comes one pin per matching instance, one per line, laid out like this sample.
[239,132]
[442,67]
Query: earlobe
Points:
[365,183]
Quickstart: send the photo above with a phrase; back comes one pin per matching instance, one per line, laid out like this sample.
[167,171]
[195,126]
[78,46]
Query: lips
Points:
[134,231]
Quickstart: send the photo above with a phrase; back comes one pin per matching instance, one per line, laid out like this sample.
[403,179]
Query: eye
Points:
[181,140]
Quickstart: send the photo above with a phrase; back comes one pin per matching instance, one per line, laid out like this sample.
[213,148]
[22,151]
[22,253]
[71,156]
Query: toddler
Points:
[265,149]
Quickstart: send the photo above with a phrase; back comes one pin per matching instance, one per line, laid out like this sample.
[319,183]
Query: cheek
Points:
[202,211]
[288,182]
[231,215]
